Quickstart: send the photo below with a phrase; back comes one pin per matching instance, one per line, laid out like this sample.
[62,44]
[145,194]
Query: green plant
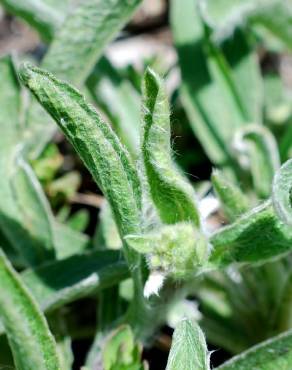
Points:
[240,273]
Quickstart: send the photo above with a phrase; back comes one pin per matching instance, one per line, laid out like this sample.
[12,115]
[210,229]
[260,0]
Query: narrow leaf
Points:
[282,193]
[22,199]
[32,344]
[37,217]
[106,85]
[275,353]
[233,201]
[189,349]
[172,194]
[214,96]
[257,236]
[260,148]
[95,142]
[56,284]
[84,35]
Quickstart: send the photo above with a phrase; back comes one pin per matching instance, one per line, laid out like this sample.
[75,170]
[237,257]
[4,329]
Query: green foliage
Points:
[173,196]
[274,353]
[188,348]
[120,351]
[233,201]
[169,239]
[282,193]
[32,344]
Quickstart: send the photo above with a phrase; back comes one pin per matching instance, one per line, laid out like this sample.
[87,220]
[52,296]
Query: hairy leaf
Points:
[259,146]
[107,85]
[95,142]
[233,201]
[22,198]
[172,194]
[77,46]
[178,250]
[56,284]
[275,353]
[257,236]
[32,344]
[84,35]
[189,349]
[282,192]
[121,352]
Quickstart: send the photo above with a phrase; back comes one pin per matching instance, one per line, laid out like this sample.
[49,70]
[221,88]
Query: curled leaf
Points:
[233,201]
[258,147]
[172,194]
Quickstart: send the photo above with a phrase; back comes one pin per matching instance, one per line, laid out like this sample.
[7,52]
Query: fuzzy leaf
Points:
[22,199]
[58,283]
[77,46]
[172,194]
[177,250]
[84,35]
[32,344]
[282,193]
[95,142]
[257,236]
[189,349]
[260,148]
[275,353]
[37,217]
[233,201]
[106,85]
[120,351]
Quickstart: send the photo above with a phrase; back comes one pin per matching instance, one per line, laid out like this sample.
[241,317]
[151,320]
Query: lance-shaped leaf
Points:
[233,201]
[84,35]
[211,76]
[22,199]
[32,344]
[77,46]
[37,217]
[260,148]
[189,349]
[95,142]
[275,353]
[106,85]
[172,194]
[56,284]
[257,236]
[282,192]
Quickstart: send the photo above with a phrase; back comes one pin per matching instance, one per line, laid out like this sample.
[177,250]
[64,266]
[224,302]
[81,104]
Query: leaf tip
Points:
[25,72]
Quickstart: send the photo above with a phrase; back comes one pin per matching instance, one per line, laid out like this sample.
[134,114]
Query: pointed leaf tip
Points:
[25,72]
